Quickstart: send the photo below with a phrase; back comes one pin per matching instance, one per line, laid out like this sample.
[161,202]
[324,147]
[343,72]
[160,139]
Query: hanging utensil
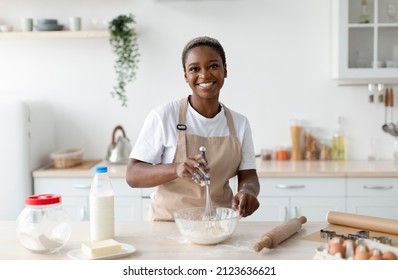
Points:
[380,97]
[386,104]
[371,89]
[392,128]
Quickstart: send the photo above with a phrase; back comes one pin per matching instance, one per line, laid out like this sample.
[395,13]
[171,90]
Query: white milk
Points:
[102,217]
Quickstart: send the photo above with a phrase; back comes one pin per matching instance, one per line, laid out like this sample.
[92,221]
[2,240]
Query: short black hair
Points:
[203,41]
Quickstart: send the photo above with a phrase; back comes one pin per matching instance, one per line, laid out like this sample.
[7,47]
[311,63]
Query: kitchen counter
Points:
[268,169]
[161,240]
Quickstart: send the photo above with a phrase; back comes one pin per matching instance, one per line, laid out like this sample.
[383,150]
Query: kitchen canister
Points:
[43,226]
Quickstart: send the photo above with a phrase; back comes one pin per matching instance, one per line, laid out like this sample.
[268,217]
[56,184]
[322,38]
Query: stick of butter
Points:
[98,249]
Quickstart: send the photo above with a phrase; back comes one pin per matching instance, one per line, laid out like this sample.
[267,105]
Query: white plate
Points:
[127,249]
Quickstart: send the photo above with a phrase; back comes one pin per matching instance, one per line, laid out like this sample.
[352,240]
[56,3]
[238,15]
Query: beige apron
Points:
[224,155]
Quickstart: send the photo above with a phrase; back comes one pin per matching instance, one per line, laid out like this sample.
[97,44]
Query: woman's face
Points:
[204,72]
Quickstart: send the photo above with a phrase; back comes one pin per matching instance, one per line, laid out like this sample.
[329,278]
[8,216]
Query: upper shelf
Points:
[56,34]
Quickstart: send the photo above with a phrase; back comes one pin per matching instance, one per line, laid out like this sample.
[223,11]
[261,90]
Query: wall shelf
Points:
[55,34]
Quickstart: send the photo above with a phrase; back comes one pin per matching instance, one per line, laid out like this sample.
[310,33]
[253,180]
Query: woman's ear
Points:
[185,77]
[226,71]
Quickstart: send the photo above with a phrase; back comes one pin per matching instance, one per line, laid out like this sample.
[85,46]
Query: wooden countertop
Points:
[162,240]
[268,169]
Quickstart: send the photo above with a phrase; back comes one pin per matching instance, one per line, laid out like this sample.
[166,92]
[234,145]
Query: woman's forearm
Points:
[144,175]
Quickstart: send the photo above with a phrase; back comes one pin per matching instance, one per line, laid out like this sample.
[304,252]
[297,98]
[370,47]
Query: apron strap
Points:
[230,121]
[182,127]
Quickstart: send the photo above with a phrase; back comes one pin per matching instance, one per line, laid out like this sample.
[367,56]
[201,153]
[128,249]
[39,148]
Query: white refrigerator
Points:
[27,137]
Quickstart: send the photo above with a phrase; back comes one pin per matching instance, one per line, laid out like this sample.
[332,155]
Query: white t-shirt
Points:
[157,140]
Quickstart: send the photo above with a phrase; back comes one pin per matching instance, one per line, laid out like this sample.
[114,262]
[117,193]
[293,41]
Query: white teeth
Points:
[205,85]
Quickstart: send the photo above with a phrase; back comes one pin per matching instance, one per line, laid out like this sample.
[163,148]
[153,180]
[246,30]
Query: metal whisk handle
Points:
[202,151]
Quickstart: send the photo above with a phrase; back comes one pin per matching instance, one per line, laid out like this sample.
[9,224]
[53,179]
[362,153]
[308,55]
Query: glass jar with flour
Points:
[43,226]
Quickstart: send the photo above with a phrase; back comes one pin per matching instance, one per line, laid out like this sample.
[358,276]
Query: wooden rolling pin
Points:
[280,233]
[363,222]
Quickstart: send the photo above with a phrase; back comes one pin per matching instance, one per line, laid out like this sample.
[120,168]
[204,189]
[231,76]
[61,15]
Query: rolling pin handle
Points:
[266,242]
[302,219]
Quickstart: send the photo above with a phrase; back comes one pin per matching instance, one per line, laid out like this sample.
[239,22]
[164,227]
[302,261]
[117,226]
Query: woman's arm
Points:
[245,201]
[145,175]
[140,174]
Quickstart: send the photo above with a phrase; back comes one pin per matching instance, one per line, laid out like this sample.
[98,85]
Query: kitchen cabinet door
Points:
[373,197]
[128,208]
[77,207]
[308,196]
[384,207]
[365,50]
[75,197]
[315,209]
[271,209]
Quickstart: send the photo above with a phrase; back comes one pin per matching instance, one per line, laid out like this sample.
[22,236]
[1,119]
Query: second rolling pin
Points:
[280,233]
[363,222]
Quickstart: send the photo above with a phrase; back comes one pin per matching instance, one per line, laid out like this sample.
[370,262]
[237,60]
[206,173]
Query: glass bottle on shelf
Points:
[364,17]
[338,142]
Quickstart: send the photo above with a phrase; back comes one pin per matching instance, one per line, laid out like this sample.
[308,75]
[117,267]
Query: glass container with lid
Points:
[43,226]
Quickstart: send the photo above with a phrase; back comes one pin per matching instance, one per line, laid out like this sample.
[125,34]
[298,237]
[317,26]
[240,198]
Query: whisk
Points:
[209,212]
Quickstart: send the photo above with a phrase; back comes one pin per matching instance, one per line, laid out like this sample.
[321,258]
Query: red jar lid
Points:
[43,199]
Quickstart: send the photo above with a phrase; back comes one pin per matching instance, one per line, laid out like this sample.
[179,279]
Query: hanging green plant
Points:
[123,40]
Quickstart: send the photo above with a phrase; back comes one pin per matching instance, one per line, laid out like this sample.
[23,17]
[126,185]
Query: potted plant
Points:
[123,40]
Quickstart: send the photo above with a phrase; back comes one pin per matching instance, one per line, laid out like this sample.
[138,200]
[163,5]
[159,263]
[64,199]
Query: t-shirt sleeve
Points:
[149,144]
[248,155]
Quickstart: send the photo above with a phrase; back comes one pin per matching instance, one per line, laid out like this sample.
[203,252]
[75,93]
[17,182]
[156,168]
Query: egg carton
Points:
[321,253]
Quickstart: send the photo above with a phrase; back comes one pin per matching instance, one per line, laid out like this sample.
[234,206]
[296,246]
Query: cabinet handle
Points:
[285,213]
[282,186]
[295,212]
[378,187]
[79,186]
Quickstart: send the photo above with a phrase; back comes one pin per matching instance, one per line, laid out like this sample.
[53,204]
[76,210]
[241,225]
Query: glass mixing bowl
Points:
[191,225]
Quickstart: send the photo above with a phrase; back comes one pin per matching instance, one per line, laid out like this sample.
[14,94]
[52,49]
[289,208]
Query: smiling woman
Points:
[166,153]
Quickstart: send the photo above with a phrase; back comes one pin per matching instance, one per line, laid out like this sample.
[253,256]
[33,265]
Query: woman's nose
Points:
[203,73]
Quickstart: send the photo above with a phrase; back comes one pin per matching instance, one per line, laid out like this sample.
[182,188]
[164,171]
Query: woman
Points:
[166,153]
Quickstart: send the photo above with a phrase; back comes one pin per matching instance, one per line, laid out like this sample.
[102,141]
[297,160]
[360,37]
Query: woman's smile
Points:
[206,85]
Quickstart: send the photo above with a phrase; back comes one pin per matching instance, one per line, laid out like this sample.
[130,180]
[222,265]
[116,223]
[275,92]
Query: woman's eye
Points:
[213,66]
[194,69]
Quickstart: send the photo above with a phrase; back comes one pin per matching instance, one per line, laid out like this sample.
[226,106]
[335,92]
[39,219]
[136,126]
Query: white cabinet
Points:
[365,51]
[284,198]
[373,197]
[75,197]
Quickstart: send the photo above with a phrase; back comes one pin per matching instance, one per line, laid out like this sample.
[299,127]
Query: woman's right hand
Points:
[196,167]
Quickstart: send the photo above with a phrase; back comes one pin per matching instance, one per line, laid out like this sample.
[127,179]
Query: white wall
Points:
[278,56]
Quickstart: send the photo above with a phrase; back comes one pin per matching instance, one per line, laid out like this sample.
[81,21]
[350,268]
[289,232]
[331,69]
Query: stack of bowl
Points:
[48,25]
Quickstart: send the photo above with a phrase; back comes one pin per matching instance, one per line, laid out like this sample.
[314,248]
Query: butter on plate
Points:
[98,249]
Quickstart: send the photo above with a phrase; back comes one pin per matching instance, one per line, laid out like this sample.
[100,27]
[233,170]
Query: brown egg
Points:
[336,239]
[361,253]
[337,248]
[388,255]
[361,248]
[375,254]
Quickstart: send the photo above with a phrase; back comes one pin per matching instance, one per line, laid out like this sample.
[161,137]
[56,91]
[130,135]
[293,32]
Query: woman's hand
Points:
[245,203]
[195,167]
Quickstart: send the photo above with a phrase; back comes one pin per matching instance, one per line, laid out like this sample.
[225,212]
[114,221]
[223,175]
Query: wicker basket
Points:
[67,158]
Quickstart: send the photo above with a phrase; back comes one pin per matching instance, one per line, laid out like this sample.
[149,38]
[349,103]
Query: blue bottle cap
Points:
[101,169]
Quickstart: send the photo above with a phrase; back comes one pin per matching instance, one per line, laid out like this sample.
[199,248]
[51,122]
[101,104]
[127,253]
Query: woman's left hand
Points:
[245,203]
